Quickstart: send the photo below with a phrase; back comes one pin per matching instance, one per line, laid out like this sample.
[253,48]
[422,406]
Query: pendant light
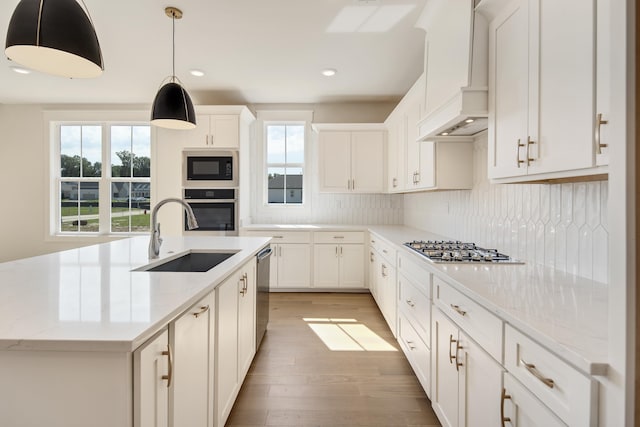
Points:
[56,37]
[172,107]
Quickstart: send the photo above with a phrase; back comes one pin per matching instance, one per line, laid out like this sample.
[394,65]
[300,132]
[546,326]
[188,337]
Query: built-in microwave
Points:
[215,210]
[209,168]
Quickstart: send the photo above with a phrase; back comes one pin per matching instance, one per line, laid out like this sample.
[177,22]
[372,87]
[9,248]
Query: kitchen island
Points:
[71,324]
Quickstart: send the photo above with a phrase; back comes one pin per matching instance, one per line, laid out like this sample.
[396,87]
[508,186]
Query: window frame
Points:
[54,121]
[266,165]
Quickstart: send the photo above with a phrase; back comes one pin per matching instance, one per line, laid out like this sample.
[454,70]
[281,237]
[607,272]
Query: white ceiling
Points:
[252,51]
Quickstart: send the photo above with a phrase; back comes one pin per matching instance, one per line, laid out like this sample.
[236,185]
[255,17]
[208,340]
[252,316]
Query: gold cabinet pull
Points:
[169,376]
[336,251]
[384,270]
[371,256]
[518,161]
[532,369]
[599,144]
[458,310]
[529,144]
[395,182]
[504,397]
[451,356]
[203,310]
[410,303]
[458,364]
[410,345]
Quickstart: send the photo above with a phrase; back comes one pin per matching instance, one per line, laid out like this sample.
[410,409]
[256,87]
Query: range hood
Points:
[456,100]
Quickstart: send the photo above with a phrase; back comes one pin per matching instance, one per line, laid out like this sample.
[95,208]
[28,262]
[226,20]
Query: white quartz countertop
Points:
[304,227]
[565,313]
[89,299]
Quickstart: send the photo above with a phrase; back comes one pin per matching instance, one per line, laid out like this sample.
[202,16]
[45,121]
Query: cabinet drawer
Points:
[282,236]
[417,352]
[416,304]
[338,237]
[478,322]
[569,393]
[415,272]
[384,248]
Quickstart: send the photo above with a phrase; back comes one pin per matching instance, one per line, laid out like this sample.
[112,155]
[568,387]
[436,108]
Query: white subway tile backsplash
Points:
[558,225]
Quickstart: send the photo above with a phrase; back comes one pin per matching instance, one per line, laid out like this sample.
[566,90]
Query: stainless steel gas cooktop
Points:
[459,252]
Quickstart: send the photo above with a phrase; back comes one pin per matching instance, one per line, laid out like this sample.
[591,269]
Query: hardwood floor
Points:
[296,380]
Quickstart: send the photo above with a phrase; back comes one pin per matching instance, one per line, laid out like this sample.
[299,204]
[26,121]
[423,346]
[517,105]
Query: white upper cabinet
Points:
[351,158]
[543,90]
[217,131]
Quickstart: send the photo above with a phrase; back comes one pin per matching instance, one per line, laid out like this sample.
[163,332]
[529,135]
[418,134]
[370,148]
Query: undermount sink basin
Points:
[190,262]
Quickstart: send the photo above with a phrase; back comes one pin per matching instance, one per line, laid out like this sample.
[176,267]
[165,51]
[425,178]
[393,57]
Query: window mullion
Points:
[104,222]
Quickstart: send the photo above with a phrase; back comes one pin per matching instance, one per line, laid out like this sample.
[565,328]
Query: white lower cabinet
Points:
[520,408]
[151,382]
[191,394]
[235,338]
[466,382]
[383,276]
[290,262]
[338,260]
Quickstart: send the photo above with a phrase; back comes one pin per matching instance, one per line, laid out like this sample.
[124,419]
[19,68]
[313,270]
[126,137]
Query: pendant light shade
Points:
[56,37]
[172,107]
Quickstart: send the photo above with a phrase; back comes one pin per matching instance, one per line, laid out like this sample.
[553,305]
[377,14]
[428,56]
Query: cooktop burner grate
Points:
[440,251]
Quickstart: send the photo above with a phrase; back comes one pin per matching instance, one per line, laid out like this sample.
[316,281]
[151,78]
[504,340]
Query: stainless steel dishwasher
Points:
[262,296]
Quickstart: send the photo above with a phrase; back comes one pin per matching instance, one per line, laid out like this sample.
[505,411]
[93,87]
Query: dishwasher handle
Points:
[265,253]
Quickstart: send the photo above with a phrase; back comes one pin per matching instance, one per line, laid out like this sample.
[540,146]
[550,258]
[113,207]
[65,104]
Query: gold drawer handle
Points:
[411,346]
[203,310]
[504,397]
[458,310]
[169,375]
[599,144]
[532,369]
[410,303]
[453,357]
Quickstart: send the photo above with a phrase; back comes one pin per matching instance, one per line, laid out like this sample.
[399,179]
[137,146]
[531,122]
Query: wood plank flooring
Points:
[296,380]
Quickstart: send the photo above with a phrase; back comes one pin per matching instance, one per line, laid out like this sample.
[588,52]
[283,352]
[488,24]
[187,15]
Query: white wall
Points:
[563,226]
[24,214]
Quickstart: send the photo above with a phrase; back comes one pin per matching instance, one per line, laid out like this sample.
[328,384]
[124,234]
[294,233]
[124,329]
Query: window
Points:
[285,163]
[104,178]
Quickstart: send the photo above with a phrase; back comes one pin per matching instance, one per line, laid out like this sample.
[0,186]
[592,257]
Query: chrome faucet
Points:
[156,240]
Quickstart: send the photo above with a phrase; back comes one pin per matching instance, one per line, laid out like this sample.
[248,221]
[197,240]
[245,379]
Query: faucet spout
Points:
[156,241]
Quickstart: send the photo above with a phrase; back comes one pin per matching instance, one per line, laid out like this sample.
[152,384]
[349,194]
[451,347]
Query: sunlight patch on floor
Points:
[347,335]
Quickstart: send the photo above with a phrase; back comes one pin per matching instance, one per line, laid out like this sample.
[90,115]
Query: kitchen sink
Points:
[192,261]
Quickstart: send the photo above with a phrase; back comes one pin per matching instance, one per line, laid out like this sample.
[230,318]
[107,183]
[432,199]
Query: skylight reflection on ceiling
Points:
[368,19]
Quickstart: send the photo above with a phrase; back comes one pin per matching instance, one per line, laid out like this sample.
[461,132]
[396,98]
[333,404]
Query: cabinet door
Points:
[603,83]
[480,385]
[412,148]
[273,267]
[387,291]
[522,409]
[509,91]
[201,135]
[372,273]
[335,161]
[151,397]
[444,374]
[352,266]
[565,107]
[226,375]
[367,162]
[246,319]
[294,265]
[192,383]
[224,130]
[326,261]
[395,155]
[426,177]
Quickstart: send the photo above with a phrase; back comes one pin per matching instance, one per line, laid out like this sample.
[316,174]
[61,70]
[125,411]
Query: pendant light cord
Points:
[173,21]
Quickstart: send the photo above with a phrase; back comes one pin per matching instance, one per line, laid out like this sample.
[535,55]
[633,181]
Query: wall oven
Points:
[215,210]
[209,168]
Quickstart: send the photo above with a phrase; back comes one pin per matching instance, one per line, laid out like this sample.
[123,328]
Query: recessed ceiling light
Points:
[470,120]
[329,72]
[444,133]
[197,73]
[20,70]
